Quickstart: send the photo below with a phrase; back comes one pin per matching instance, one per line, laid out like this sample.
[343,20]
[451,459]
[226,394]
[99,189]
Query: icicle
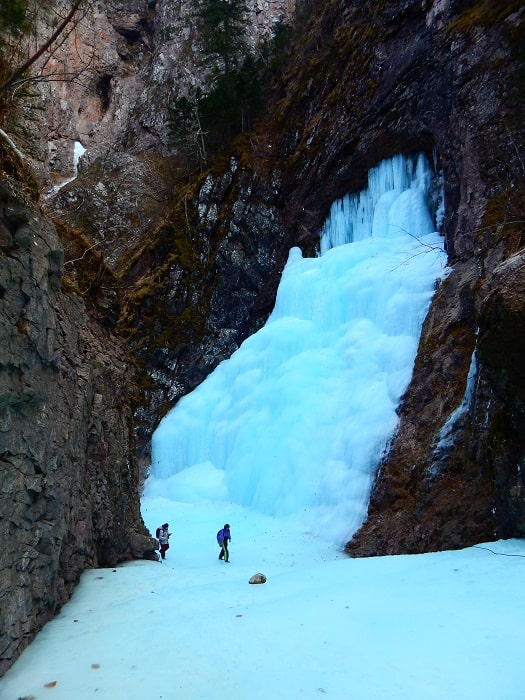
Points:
[398,200]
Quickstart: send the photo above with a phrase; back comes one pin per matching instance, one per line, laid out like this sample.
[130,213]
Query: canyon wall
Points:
[69,479]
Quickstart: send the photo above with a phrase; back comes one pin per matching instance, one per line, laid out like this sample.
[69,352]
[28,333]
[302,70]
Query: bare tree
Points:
[66,24]
[30,38]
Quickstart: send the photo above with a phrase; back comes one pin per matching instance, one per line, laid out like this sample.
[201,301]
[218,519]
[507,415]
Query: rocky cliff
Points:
[183,267]
[69,479]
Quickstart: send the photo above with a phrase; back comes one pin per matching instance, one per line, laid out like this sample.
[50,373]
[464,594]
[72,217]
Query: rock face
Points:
[458,480]
[69,481]
[200,287]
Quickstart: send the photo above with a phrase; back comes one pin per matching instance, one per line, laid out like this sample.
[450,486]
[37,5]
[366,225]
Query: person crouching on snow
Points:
[163,538]
[223,536]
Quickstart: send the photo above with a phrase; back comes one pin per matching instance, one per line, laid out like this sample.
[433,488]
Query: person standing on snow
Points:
[163,537]
[223,536]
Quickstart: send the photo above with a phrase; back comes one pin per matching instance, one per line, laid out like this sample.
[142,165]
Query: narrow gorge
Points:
[129,269]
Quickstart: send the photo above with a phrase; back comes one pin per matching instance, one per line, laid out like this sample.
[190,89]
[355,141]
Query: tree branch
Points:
[12,144]
[34,58]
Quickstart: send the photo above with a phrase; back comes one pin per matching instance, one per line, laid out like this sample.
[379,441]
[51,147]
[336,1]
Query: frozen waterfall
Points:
[295,422]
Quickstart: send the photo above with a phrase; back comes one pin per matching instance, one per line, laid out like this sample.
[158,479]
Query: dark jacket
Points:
[223,534]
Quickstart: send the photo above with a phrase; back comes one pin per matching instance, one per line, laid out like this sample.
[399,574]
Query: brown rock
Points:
[69,481]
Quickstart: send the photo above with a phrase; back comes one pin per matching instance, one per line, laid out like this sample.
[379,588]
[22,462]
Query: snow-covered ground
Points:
[282,442]
[446,626]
